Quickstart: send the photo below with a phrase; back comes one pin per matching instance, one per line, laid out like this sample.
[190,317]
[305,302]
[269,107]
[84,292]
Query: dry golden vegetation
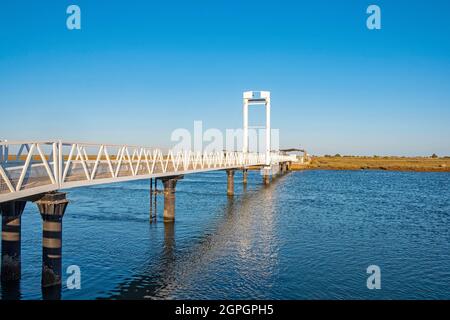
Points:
[347,163]
[378,163]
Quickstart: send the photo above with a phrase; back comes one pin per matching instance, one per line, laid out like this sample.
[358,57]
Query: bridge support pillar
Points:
[170,184]
[266,173]
[11,239]
[52,207]
[244,176]
[153,199]
[230,182]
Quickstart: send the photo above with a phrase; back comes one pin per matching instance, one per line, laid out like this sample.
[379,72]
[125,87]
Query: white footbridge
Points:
[30,168]
[33,171]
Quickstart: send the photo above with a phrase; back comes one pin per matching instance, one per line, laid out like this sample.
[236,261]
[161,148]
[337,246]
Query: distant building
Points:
[301,154]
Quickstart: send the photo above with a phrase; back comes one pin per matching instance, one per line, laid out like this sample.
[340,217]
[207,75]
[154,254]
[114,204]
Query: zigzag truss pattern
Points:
[30,168]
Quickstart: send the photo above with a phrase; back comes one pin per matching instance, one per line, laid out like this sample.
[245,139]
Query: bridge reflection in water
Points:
[239,229]
[245,229]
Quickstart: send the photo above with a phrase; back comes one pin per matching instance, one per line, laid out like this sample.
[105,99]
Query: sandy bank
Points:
[421,164]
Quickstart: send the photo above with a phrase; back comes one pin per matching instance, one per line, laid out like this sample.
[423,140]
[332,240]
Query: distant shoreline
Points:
[415,164]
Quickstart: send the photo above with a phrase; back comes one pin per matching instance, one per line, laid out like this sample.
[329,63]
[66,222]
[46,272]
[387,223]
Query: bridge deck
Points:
[30,168]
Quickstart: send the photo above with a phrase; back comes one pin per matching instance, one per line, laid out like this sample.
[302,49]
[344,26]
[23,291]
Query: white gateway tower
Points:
[257,98]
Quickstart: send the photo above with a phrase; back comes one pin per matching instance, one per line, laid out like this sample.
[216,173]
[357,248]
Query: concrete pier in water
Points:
[11,239]
[170,184]
[52,207]
[230,182]
[244,176]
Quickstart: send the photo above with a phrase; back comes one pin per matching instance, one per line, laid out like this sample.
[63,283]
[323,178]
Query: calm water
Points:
[309,235]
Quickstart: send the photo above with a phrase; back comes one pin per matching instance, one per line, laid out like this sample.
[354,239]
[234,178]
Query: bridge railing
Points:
[26,166]
[33,167]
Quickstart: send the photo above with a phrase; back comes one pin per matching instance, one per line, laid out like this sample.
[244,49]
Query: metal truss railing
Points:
[32,167]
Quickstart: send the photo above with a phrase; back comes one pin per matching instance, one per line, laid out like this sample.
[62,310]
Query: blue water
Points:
[309,235]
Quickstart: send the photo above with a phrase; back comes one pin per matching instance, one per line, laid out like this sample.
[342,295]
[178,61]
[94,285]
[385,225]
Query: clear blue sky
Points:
[139,69]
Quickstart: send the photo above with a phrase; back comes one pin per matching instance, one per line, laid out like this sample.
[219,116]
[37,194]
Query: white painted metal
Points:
[268,131]
[245,125]
[44,161]
[25,168]
[257,98]
[6,179]
[63,165]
